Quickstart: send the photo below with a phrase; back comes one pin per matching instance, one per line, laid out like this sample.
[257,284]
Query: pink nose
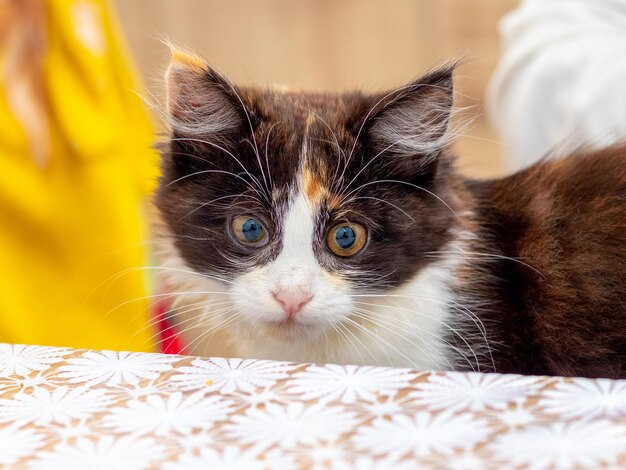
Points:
[292,301]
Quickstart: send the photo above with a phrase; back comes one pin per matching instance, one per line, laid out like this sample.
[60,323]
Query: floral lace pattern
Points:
[76,409]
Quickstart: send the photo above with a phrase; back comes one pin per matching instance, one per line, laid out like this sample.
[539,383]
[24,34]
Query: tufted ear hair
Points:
[412,122]
[201,103]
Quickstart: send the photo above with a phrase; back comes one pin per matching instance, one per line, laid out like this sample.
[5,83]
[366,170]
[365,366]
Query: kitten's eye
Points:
[249,231]
[346,239]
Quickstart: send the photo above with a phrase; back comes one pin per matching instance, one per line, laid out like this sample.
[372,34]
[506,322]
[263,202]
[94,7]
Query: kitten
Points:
[327,227]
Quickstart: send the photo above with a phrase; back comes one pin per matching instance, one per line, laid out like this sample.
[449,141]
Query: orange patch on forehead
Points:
[315,190]
[313,187]
[314,182]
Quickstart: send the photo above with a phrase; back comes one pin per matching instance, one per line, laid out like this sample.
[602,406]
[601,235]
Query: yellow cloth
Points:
[68,229]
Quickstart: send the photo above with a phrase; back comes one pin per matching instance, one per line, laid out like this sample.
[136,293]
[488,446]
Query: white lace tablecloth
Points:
[76,409]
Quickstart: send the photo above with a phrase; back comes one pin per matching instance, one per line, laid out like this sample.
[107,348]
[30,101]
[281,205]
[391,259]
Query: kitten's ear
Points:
[412,122]
[201,103]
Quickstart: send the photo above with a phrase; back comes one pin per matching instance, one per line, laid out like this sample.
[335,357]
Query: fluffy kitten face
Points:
[304,208]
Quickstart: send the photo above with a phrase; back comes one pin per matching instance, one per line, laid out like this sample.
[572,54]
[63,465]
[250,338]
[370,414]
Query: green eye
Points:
[346,239]
[249,231]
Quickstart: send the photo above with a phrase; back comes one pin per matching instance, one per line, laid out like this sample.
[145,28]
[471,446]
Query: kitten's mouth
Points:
[289,328]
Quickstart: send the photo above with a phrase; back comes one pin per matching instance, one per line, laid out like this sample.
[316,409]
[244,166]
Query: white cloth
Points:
[561,80]
[64,409]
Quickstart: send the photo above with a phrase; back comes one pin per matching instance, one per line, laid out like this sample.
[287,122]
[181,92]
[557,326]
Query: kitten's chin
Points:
[291,330]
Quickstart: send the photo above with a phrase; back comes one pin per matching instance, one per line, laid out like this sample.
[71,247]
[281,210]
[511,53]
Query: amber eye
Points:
[249,231]
[346,239]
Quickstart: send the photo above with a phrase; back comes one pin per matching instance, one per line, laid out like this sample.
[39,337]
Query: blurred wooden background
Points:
[331,44]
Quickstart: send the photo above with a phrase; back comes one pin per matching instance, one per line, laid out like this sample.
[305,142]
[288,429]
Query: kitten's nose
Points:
[292,301]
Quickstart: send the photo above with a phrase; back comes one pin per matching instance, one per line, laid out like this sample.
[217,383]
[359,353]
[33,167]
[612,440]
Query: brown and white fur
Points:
[522,274]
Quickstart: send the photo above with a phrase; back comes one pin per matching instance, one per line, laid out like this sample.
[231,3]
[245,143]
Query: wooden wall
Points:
[330,44]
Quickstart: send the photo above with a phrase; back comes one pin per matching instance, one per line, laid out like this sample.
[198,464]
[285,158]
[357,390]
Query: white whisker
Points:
[366,315]
[369,183]
[417,335]
[463,253]
[219,147]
